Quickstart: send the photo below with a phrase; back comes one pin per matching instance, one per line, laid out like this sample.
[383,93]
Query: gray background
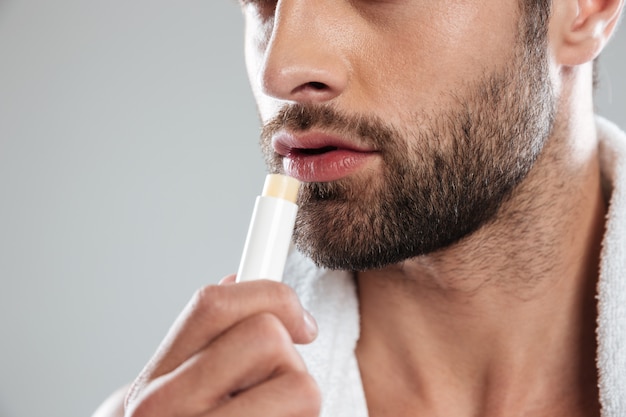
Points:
[128,170]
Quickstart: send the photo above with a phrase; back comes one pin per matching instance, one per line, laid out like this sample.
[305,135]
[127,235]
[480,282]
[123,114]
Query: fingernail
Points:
[311,325]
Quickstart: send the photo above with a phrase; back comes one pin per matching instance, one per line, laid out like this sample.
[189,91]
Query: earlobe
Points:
[581,28]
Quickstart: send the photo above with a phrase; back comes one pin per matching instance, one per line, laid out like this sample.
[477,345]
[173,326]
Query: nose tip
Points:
[302,60]
[305,79]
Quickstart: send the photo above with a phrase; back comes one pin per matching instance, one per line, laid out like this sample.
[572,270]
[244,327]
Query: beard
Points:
[441,177]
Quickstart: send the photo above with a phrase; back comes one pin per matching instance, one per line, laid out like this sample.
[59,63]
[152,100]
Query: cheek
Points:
[254,61]
[436,50]
[257,36]
[256,40]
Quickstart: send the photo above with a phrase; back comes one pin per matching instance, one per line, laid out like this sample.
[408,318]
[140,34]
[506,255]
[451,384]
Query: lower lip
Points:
[329,166]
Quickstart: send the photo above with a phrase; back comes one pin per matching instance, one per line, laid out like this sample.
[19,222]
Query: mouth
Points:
[313,151]
[316,157]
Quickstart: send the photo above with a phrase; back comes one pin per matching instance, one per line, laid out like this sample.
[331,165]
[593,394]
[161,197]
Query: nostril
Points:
[310,87]
[317,85]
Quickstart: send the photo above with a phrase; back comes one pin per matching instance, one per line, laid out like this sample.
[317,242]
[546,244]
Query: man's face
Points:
[409,121]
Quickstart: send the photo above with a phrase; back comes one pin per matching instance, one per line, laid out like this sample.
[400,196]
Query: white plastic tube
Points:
[271,227]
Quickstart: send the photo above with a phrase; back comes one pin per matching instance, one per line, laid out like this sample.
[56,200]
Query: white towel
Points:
[331,297]
[611,331]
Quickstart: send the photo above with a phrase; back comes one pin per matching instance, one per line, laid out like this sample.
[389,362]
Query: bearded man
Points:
[462,231]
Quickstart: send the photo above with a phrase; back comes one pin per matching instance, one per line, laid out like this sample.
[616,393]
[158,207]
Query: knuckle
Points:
[273,339]
[154,398]
[287,299]
[134,389]
[308,396]
[271,328]
[209,301]
[145,405]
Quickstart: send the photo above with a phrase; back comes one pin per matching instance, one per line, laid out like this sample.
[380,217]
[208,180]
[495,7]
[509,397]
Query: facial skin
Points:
[444,167]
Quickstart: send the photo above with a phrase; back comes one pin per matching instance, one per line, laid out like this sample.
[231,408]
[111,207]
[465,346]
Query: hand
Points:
[231,353]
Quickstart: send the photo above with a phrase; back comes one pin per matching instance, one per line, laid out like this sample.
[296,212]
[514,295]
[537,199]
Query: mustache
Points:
[298,117]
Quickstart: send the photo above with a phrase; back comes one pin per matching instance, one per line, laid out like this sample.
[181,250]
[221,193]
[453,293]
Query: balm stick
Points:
[269,234]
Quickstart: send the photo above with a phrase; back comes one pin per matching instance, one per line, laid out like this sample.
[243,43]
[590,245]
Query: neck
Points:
[503,322]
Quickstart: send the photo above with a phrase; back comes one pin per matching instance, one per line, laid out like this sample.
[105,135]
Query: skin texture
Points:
[444,172]
[495,318]
[231,353]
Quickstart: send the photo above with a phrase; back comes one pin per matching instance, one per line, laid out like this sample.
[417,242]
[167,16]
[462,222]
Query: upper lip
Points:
[286,143]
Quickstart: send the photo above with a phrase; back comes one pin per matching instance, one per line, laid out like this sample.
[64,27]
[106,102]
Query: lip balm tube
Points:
[271,227]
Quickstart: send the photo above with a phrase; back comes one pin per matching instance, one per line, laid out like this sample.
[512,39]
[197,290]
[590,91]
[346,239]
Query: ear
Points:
[579,29]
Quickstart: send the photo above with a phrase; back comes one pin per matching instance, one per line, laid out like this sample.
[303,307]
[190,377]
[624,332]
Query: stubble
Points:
[441,177]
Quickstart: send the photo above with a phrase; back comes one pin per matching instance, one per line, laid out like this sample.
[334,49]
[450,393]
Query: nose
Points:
[304,60]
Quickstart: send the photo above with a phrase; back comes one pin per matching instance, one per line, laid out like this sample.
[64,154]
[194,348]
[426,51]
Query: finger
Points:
[251,352]
[228,279]
[215,309]
[287,395]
